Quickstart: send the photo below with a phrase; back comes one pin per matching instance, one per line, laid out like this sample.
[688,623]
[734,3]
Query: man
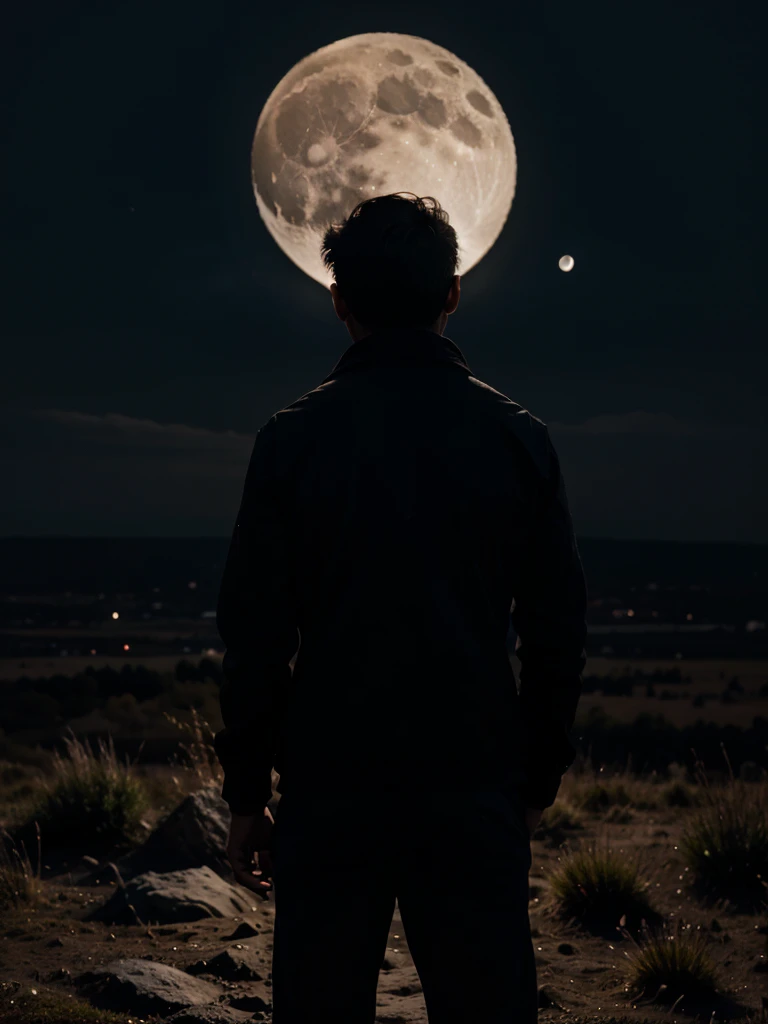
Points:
[390,520]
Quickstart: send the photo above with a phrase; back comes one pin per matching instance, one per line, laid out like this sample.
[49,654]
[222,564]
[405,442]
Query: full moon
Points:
[377,113]
[566,263]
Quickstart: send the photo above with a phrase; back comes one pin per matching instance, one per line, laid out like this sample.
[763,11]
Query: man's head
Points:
[394,262]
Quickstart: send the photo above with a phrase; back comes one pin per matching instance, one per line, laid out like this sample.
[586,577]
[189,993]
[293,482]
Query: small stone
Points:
[546,997]
[251,1002]
[243,931]
[231,965]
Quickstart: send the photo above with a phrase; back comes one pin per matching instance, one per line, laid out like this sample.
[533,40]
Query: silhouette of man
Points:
[391,519]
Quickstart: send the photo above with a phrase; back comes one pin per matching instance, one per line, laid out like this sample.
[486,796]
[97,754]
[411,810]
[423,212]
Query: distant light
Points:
[93,651]
[566,263]
[192,585]
[126,647]
[689,617]
[115,615]
[631,612]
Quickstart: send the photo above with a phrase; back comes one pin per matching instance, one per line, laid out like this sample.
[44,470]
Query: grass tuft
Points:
[601,890]
[725,843]
[671,966]
[93,798]
[19,882]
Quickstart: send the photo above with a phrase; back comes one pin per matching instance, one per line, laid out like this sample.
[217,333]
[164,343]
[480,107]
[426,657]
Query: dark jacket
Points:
[389,520]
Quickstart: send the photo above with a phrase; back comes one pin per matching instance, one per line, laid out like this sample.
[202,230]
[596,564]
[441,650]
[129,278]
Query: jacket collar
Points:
[400,346]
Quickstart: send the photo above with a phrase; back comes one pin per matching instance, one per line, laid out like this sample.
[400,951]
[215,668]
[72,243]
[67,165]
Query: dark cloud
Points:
[654,476]
[640,475]
[72,473]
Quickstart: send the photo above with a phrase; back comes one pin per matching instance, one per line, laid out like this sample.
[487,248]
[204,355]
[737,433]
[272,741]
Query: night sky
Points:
[152,325]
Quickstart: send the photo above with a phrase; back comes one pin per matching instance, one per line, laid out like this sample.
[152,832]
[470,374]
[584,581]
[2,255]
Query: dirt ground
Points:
[583,976]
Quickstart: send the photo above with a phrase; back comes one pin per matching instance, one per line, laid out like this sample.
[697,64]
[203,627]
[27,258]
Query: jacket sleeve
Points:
[549,616]
[256,619]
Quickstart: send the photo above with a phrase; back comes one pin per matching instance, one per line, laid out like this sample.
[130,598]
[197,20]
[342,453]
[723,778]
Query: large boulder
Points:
[194,835]
[174,897]
[144,987]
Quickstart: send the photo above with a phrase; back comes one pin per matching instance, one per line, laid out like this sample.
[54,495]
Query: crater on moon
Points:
[376,113]
[479,102]
[397,96]
[398,57]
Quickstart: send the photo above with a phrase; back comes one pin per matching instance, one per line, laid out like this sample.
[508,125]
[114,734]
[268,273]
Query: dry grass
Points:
[19,882]
[601,890]
[92,797]
[597,792]
[669,966]
[725,843]
[198,761]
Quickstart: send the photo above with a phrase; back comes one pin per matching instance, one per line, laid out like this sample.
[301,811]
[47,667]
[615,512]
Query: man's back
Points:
[390,518]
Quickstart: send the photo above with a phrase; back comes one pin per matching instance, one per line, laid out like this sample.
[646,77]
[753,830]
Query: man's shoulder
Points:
[520,424]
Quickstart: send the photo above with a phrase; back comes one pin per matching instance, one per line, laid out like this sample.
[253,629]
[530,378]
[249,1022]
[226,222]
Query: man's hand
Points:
[532,819]
[249,849]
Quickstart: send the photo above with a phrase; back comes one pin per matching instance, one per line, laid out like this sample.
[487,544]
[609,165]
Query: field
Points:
[584,974]
[48,940]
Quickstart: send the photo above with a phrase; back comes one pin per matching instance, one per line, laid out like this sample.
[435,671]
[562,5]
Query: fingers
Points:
[251,880]
[265,863]
[254,877]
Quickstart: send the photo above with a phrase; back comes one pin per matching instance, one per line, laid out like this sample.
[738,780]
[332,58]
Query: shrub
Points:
[557,821]
[725,844]
[668,966]
[93,797]
[679,794]
[602,795]
[601,890]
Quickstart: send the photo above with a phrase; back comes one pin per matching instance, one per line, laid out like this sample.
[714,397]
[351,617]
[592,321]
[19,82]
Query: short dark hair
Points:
[393,260]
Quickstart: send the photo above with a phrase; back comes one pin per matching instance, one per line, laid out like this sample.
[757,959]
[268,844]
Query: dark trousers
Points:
[457,863]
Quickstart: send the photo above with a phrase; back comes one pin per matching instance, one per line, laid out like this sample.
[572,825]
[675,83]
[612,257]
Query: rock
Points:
[243,931]
[56,941]
[715,925]
[547,998]
[193,835]
[214,1014]
[60,974]
[252,1002]
[232,965]
[173,897]
[139,986]
[566,949]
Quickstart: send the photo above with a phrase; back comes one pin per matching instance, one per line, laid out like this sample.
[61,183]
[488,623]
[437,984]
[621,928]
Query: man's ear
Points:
[454,294]
[342,310]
